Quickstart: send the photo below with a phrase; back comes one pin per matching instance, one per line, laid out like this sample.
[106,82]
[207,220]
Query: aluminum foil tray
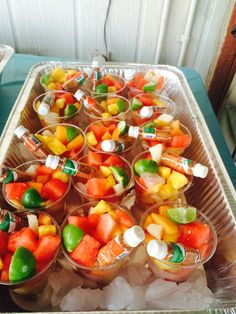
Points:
[215,195]
[5,54]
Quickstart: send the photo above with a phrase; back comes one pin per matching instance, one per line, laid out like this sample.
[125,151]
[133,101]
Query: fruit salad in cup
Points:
[146,107]
[44,189]
[101,132]
[62,107]
[187,233]
[28,252]
[65,140]
[113,177]
[87,230]
[176,136]
[155,183]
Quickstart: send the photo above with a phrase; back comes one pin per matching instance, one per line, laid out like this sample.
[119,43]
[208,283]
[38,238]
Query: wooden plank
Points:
[225,68]
[6,34]
[43,27]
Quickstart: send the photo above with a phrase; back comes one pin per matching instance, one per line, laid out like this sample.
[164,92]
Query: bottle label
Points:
[10,177]
[32,143]
[178,253]
[122,255]
[149,133]
[70,167]
[80,79]
[9,223]
[97,75]
[120,147]
[186,163]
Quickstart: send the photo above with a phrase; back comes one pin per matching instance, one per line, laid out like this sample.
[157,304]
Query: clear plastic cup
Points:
[54,208]
[147,197]
[120,90]
[166,147]
[124,115]
[54,117]
[176,271]
[35,284]
[114,198]
[127,153]
[51,130]
[152,99]
[101,274]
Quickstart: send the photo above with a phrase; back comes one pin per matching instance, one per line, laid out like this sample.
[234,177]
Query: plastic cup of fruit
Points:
[164,104]
[155,83]
[99,131]
[108,85]
[70,140]
[164,191]
[101,187]
[99,232]
[67,111]
[46,182]
[22,290]
[195,236]
[182,140]
[112,110]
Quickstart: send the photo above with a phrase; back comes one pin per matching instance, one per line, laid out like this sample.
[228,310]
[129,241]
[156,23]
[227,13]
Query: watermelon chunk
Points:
[114,160]
[94,159]
[99,130]
[124,218]
[105,228]
[14,191]
[54,189]
[3,242]
[194,234]
[24,237]
[97,187]
[46,248]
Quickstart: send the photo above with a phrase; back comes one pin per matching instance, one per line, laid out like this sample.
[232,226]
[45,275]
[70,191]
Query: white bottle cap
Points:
[52,161]
[133,131]
[146,112]
[79,94]
[157,249]
[129,74]
[108,146]
[43,109]
[88,71]
[95,64]
[134,236]
[20,131]
[200,171]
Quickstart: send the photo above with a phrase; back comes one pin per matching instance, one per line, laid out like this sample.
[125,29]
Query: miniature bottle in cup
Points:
[31,142]
[89,103]
[8,175]
[96,74]
[150,134]
[77,80]
[184,165]
[71,167]
[129,76]
[120,246]
[172,252]
[47,103]
[8,221]
[115,146]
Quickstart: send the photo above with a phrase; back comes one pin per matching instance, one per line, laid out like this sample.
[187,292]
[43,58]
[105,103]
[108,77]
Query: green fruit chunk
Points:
[120,105]
[136,104]
[70,110]
[150,125]
[120,175]
[178,253]
[182,215]
[145,165]
[45,79]
[23,265]
[150,87]
[101,89]
[71,133]
[122,126]
[32,199]
[71,237]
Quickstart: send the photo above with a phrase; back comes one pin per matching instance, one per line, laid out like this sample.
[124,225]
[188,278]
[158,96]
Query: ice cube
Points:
[117,295]
[159,289]
[137,274]
[184,286]
[79,299]
[138,300]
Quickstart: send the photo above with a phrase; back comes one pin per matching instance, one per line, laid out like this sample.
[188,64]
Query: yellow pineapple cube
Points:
[167,191]
[61,176]
[112,89]
[112,109]
[106,171]
[158,102]
[91,139]
[106,115]
[56,74]
[101,208]
[110,181]
[51,86]
[60,103]
[177,180]
[164,172]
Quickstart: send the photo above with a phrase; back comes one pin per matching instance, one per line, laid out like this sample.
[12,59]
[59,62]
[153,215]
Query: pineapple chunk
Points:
[177,180]
[167,191]
[106,171]
[106,136]
[112,89]
[101,208]
[91,139]
[106,115]
[169,227]
[171,237]
[111,181]
[56,74]
[112,109]
[61,176]
[60,102]
[164,172]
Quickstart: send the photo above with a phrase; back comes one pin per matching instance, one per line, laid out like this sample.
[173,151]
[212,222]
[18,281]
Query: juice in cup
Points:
[144,82]
[107,84]
[68,80]
[43,189]
[100,134]
[112,179]
[146,107]
[112,106]
[65,140]
[155,182]
[57,107]
[174,136]
[28,251]
[179,238]
[98,238]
